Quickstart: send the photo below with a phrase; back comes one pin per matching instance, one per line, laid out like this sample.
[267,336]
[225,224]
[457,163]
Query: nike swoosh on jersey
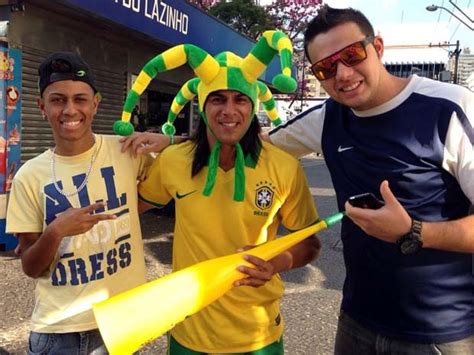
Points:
[342,149]
[179,196]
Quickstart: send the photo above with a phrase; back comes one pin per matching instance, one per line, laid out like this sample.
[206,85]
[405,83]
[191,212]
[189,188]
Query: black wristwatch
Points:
[411,243]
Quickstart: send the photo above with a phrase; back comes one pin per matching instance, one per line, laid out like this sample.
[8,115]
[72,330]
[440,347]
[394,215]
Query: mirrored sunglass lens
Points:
[321,73]
[353,54]
[324,69]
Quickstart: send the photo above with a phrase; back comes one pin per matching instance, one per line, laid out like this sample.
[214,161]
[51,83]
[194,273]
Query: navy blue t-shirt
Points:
[422,143]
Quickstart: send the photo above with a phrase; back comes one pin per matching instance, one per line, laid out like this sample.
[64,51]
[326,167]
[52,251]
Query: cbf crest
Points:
[264,195]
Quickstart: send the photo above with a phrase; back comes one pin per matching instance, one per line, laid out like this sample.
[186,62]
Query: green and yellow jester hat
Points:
[226,71]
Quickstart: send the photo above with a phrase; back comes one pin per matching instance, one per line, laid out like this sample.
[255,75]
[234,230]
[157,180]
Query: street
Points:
[310,306]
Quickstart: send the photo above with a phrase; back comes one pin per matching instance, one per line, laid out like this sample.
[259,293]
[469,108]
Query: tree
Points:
[293,16]
[289,16]
[243,16]
[203,4]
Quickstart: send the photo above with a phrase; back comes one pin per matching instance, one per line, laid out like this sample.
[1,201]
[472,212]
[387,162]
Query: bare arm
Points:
[392,221]
[297,256]
[38,250]
[143,206]
[147,142]
[264,136]
[457,235]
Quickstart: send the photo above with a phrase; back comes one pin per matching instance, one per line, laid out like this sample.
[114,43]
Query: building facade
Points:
[465,68]
[116,38]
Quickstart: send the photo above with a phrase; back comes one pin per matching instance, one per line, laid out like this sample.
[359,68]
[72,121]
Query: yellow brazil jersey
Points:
[245,318]
[88,268]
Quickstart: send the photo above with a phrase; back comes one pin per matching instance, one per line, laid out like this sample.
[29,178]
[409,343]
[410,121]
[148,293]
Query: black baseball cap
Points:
[60,66]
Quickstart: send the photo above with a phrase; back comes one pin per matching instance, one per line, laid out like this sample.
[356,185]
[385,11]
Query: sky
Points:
[402,22]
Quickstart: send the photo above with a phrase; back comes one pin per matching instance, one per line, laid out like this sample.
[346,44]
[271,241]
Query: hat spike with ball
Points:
[226,71]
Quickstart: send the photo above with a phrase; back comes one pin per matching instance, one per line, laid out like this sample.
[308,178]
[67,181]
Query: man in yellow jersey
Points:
[245,319]
[74,210]
[221,218]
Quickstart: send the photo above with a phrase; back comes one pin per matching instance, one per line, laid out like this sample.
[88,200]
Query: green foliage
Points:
[243,16]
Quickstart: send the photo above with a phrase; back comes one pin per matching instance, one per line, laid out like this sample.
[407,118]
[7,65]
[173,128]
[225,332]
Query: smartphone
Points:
[366,200]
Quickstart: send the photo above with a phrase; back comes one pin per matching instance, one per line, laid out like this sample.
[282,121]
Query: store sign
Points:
[170,21]
[173,22]
[159,11]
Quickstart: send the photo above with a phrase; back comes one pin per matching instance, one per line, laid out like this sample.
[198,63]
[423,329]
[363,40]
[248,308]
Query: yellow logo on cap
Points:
[81,73]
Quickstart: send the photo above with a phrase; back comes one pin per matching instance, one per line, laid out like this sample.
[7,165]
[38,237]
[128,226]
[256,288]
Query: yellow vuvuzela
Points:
[131,319]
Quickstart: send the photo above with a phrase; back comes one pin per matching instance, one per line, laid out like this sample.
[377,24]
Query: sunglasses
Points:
[351,55]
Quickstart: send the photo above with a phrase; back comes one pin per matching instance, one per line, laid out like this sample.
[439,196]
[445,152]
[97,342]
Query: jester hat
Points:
[226,71]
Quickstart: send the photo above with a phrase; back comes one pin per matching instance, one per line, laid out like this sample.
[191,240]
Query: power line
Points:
[459,24]
[439,15]
[454,5]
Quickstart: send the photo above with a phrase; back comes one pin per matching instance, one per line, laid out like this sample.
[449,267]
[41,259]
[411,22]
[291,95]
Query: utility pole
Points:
[456,54]
[457,51]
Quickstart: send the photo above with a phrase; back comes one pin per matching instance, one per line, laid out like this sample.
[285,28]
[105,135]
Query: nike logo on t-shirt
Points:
[341,149]
[179,196]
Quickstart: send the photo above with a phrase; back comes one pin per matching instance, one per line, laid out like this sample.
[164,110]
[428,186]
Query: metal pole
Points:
[434,8]
[456,60]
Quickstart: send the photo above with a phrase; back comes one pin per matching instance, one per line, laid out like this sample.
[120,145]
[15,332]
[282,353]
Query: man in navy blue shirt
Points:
[409,287]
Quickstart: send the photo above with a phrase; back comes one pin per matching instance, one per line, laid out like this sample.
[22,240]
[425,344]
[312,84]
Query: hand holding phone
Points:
[366,200]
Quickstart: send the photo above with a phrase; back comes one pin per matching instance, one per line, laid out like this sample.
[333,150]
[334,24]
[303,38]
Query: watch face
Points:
[410,246]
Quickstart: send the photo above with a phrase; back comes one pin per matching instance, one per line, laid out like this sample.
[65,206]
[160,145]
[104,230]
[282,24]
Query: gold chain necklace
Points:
[84,182]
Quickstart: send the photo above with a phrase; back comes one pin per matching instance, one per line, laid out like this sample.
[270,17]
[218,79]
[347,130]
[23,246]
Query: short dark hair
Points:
[328,18]
[250,143]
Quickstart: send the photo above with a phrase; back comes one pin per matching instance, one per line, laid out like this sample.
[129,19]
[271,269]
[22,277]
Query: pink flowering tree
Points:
[204,4]
[293,17]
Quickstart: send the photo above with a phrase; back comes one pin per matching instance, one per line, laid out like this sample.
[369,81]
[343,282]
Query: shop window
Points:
[157,113]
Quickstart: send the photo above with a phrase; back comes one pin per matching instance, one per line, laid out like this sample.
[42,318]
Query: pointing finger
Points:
[103,217]
[93,207]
